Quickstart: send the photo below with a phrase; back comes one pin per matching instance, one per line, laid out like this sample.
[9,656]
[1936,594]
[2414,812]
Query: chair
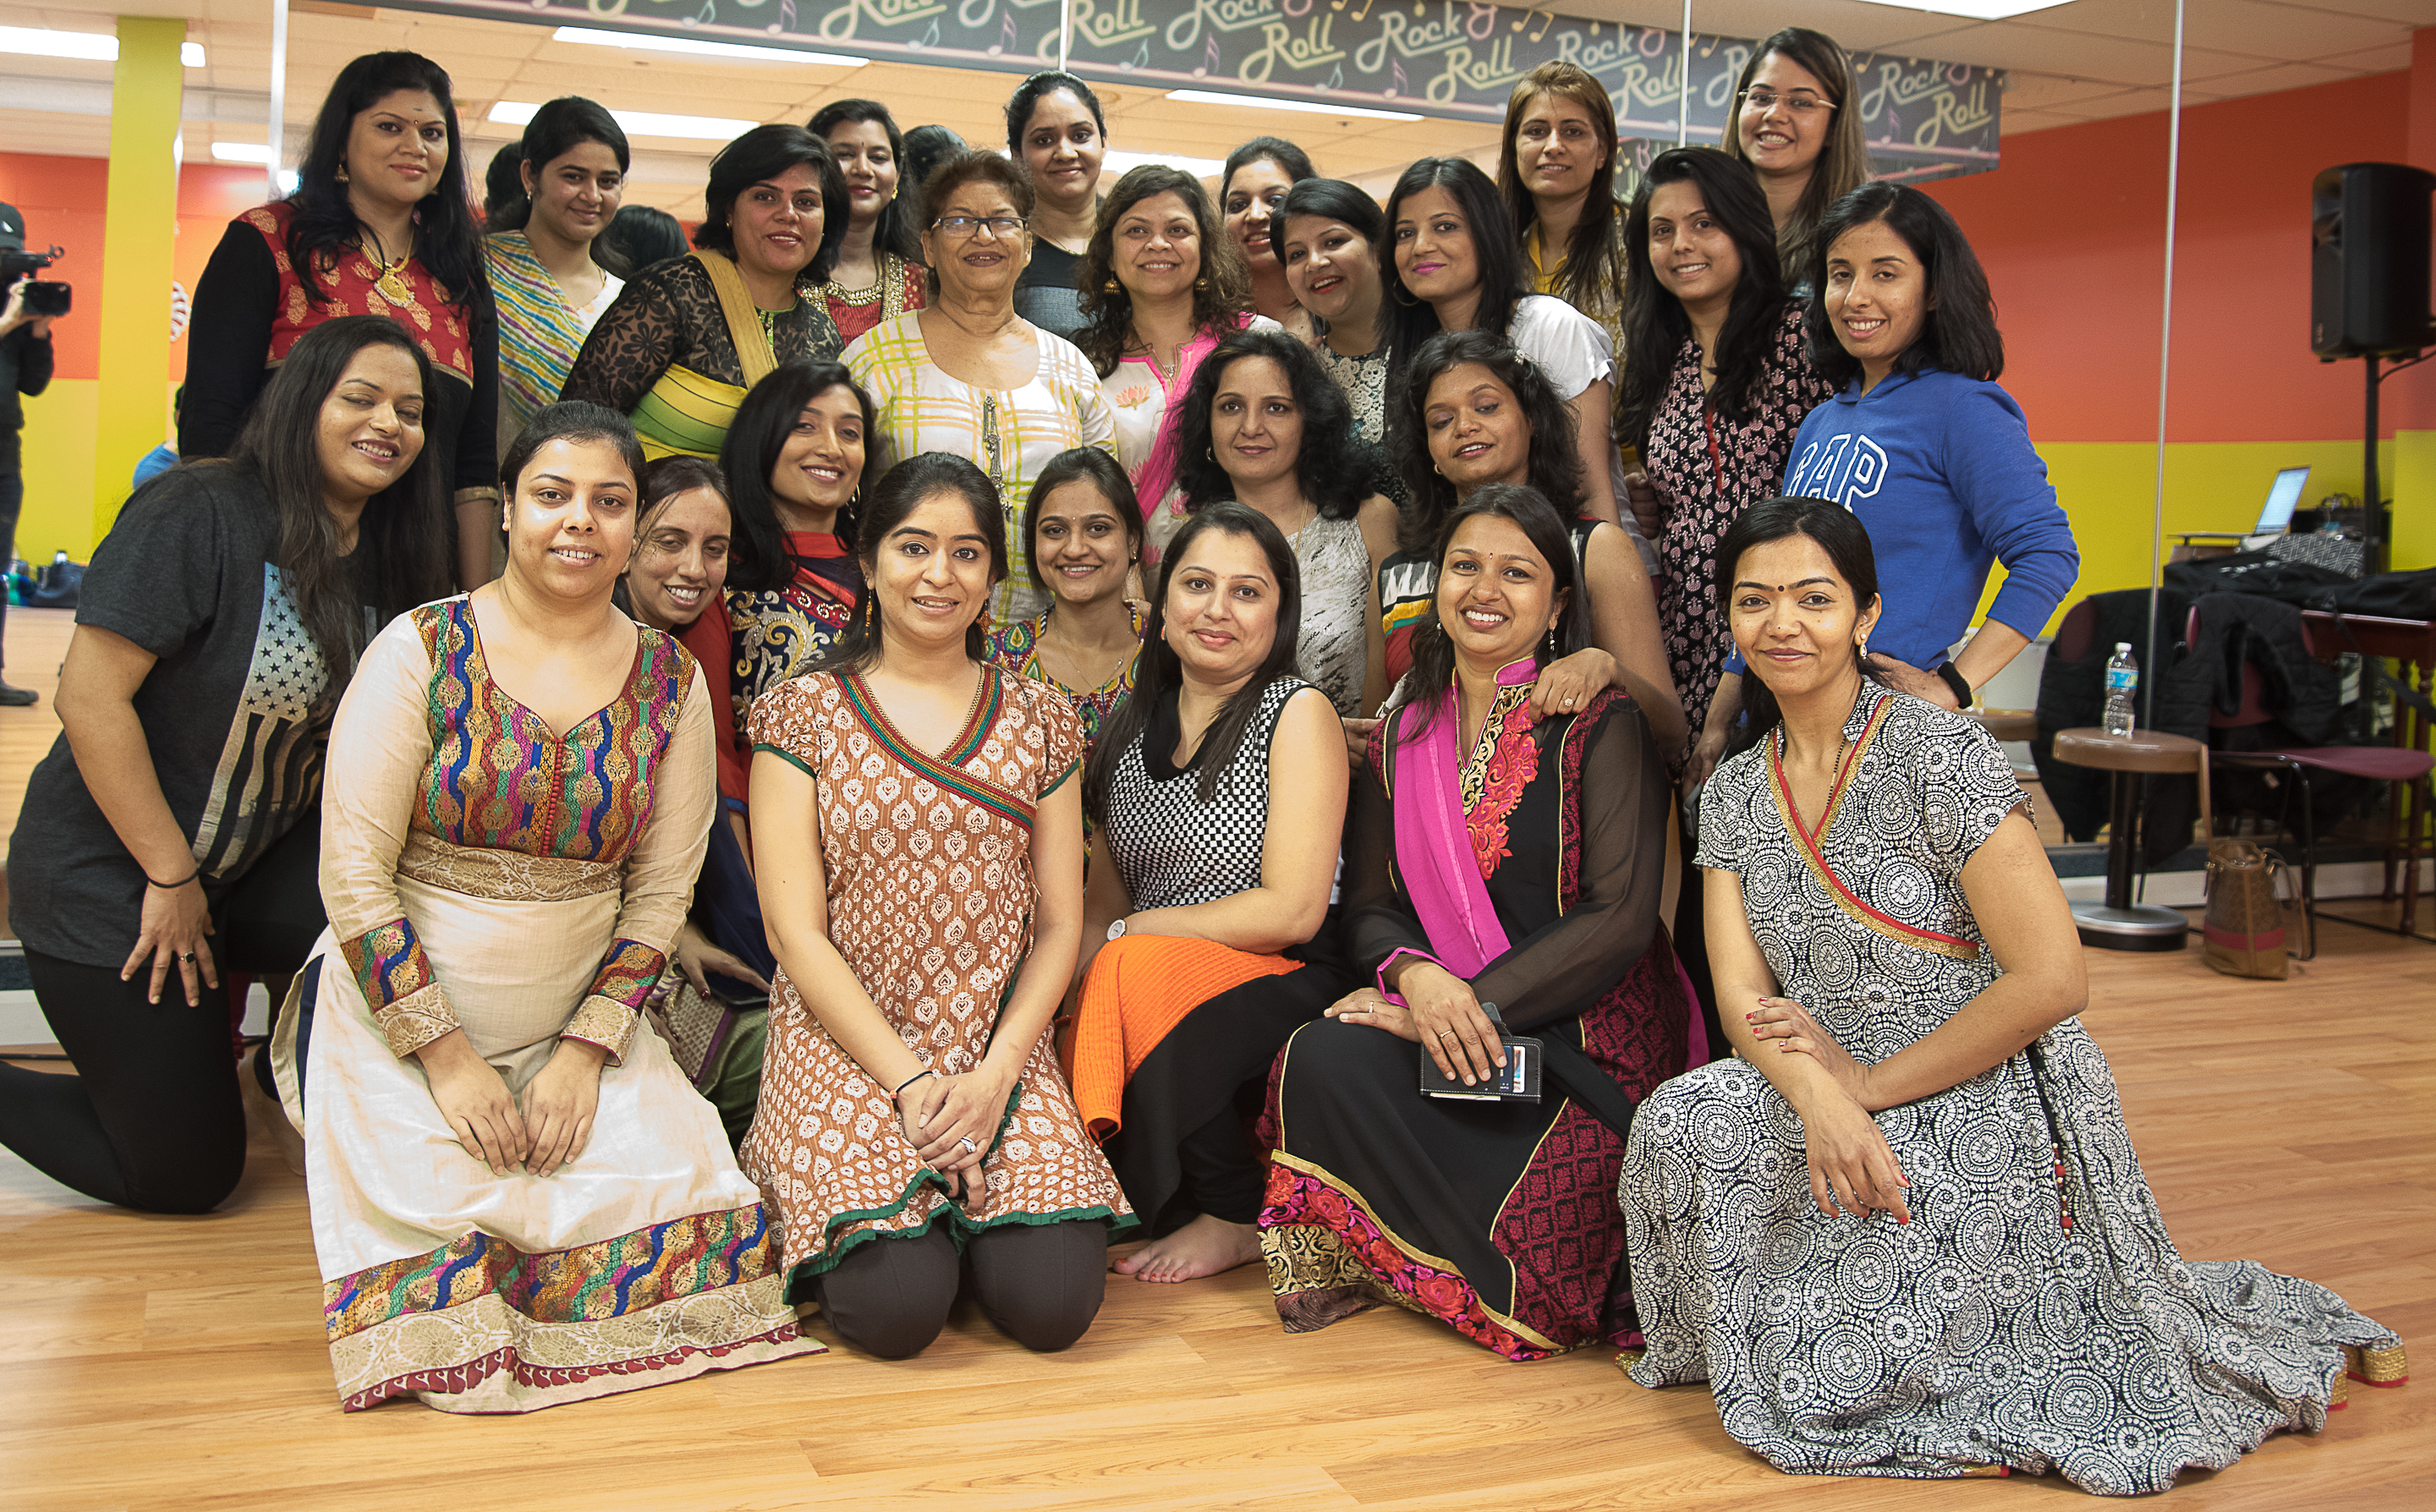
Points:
[2377,763]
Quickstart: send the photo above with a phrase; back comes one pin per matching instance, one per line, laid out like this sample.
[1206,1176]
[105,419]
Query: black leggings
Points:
[1041,1284]
[152,1119]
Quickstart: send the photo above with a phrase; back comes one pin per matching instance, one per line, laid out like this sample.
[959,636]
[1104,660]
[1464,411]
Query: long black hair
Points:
[1291,160]
[1556,467]
[894,231]
[447,240]
[1958,330]
[557,129]
[1841,535]
[572,420]
[1433,672]
[926,148]
[505,204]
[1160,673]
[1496,253]
[401,556]
[1843,161]
[1329,200]
[1221,294]
[757,548]
[1655,325]
[762,153]
[1588,258]
[1081,464]
[638,236]
[903,489]
[1334,468]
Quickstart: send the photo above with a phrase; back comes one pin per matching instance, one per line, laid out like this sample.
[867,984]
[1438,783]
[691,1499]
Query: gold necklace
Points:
[387,278]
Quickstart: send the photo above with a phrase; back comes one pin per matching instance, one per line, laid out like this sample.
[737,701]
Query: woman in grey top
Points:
[170,837]
[1263,425]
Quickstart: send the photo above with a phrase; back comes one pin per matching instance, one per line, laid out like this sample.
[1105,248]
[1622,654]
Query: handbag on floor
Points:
[2250,929]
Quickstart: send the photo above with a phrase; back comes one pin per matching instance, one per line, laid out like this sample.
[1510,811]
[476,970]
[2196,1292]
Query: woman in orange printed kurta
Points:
[922,878]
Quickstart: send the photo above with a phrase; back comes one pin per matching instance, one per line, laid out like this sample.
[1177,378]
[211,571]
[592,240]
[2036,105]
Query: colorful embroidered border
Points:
[1807,843]
[388,962]
[628,973]
[1302,1194]
[586,1284]
[501,779]
[987,795]
[460,1379]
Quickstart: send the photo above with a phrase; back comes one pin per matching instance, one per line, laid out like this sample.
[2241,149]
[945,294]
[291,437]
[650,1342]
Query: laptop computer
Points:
[2274,517]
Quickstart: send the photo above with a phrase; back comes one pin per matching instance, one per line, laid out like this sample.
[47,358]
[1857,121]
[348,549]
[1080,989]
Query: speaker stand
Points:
[2371,498]
[2373,512]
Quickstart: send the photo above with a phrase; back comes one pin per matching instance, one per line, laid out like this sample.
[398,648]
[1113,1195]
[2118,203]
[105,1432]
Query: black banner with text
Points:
[1923,119]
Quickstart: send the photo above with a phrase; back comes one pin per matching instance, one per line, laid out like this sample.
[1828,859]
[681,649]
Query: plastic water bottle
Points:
[2122,690]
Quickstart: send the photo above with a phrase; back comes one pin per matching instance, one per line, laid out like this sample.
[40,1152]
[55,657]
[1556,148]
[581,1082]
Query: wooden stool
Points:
[2005,724]
[2120,924]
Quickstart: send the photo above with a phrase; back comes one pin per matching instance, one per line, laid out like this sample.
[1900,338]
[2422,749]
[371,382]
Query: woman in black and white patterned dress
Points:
[1218,793]
[1905,1234]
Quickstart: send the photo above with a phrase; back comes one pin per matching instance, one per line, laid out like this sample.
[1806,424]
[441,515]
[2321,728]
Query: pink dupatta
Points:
[1157,473]
[1440,872]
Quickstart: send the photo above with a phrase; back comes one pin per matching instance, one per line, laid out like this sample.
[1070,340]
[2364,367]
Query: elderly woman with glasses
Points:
[968,375]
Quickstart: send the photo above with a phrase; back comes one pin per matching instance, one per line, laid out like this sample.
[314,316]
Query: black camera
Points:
[43,296]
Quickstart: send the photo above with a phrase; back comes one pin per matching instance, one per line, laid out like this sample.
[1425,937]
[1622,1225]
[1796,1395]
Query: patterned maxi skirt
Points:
[2033,1314]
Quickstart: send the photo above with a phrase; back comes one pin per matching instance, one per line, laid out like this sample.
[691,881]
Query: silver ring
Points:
[1445,1034]
[966,1141]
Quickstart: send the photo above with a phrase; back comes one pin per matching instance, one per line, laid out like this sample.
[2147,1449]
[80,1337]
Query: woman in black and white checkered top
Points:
[1218,793]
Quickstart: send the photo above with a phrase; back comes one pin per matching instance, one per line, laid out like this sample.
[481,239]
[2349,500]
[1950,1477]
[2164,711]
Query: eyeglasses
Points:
[958,228]
[1765,100]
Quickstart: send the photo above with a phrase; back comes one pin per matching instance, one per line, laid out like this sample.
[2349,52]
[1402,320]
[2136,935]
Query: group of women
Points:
[985,719]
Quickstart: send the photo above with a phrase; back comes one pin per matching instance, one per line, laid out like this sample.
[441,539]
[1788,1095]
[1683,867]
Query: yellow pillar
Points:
[137,246]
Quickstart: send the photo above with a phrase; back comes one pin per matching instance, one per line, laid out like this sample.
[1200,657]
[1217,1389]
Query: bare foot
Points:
[270,1114]
[1204,1246]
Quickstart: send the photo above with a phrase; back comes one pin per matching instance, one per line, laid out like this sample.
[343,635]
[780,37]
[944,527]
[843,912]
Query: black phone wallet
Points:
[1518,1081]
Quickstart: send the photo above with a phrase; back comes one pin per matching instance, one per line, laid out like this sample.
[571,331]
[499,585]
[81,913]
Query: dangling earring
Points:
[1201,284]
[1398,294]
[1550,658]
[1112,286]
[342,173]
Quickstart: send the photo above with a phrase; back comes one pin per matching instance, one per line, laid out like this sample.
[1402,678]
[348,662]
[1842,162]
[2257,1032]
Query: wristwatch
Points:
[1117,930]
[1953,680]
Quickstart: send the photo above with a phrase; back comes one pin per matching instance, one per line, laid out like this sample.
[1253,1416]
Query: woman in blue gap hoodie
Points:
[1923,446]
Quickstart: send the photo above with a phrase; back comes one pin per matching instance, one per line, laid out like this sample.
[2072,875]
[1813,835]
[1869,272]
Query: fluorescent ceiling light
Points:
[640,123]
[254,152]
[1976,9]
[1211,97]
[94,47]
[1114,162]
[594,37]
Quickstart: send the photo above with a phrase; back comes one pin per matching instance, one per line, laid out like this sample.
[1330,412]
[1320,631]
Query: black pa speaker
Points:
[2368,259]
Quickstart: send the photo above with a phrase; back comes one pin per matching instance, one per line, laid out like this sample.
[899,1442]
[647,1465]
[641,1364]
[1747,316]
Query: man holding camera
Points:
[24,368]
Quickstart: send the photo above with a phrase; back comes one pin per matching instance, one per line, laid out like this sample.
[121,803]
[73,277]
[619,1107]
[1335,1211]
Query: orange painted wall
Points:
[62,200]
[2072,230]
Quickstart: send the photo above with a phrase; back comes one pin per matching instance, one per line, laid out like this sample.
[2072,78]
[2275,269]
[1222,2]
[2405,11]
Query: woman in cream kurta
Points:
[485,874]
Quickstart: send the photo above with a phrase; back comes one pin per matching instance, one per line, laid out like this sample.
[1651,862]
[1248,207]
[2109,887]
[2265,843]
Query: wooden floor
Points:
[178,1364]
